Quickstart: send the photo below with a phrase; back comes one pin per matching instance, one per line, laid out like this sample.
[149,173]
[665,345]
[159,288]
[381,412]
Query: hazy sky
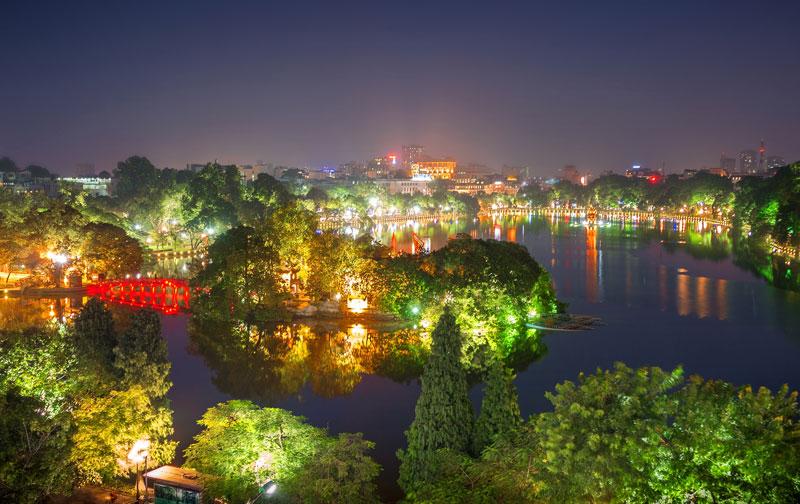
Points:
[598,84]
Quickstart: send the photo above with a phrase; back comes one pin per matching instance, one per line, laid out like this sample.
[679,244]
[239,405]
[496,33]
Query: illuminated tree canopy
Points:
[84,393]
[243,446]
[642,435]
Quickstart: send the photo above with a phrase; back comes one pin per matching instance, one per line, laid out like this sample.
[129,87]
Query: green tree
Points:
[242,446]
[732,444]
[37,171]
[34,449]
[95,336]
[135,176]
[141,355]
[499,408]
[213,198]
[107,250]
[605,436]
[637,436]
[7,165]
[107,427]
[40,362]
[443,414]
[340,471]
[242,278]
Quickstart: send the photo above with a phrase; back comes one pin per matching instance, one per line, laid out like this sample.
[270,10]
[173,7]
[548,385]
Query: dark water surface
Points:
[669,294]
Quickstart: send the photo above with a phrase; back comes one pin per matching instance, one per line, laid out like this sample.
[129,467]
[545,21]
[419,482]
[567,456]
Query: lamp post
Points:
[59,260]
[138,454]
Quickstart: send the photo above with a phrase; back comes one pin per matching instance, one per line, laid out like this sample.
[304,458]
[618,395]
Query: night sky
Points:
[597,84]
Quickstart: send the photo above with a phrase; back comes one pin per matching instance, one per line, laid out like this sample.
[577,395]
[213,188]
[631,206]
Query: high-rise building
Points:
[762,151]
[727,163]
[747,161]
[412,154]
[775,162]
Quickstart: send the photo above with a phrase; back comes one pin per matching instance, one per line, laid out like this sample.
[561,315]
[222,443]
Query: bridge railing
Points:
[168,295]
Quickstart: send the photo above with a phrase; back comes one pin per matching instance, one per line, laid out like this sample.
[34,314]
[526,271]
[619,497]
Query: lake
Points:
[668,294]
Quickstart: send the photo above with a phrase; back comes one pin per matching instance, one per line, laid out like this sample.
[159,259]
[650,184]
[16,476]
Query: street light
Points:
[138,454]
[59,260]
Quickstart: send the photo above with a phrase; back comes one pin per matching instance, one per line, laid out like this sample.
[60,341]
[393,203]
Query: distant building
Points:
[747,161]
[652,176]
[762,151]
[468,170]
[412,154]
[496,184]
[93,186]
[775,162]
[442,169]
[24,182]
[521,172]
[571,173]
[727,163]
[405,186]
[379,167]
[251,172]
[326,172]
[352,169]
[468,185]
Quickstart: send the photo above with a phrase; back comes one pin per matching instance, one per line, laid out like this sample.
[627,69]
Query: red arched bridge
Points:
[167,295]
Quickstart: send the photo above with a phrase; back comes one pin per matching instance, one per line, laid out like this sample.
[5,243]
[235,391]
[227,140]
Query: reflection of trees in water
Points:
[700,241]
[754,255]
[270,361]
[267,363]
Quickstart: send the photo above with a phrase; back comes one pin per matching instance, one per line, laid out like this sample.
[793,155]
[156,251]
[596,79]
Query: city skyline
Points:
[601,87]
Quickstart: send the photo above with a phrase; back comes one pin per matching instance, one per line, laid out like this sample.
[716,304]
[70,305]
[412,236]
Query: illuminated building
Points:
[652,176]
[251,172]
[747,161]
[438,169]
[762,150]
[379,167]
[94,186]
[418,185]
[468,185]
[775,162]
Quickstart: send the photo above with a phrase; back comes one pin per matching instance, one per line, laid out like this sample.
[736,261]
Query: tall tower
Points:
[762,151]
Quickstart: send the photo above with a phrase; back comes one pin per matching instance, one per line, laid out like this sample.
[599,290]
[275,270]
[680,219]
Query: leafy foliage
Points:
[242,446]
[500,407]
[106,428]
[95,336]
[443,414]
[32,447]
[141,355]
[637,436]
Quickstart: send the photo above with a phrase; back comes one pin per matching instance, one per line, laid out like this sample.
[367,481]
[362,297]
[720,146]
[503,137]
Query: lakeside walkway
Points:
[603,214]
